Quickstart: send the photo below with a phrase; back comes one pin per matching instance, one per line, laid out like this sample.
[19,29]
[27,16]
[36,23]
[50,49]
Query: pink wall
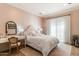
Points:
[22,18]
[44,25]
[75,22]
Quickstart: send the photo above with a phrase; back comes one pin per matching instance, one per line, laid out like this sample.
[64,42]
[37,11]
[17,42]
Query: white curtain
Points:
[60,28]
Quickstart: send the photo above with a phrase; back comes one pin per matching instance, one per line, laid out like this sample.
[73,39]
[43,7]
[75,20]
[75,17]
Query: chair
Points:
[13,42]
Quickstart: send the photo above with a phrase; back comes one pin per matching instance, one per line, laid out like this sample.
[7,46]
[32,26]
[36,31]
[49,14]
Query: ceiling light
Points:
[68,4]
[42,12]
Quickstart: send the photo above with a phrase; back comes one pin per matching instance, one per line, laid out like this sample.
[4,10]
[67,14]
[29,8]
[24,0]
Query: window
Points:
[60,28]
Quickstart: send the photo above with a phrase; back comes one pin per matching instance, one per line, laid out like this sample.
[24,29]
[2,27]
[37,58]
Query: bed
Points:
[41,42]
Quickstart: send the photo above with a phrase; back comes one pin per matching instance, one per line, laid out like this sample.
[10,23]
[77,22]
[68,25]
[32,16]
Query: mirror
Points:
[11,28]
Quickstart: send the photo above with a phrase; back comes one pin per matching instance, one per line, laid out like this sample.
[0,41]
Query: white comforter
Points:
[43,43]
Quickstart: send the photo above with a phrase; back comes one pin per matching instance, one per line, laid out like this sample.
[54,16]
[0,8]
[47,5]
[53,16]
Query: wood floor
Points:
[60,50]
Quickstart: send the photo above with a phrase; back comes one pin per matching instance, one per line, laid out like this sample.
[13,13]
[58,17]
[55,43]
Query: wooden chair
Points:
[13,42]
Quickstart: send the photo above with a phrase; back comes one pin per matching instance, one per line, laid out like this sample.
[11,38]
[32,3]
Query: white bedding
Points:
[42,43]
